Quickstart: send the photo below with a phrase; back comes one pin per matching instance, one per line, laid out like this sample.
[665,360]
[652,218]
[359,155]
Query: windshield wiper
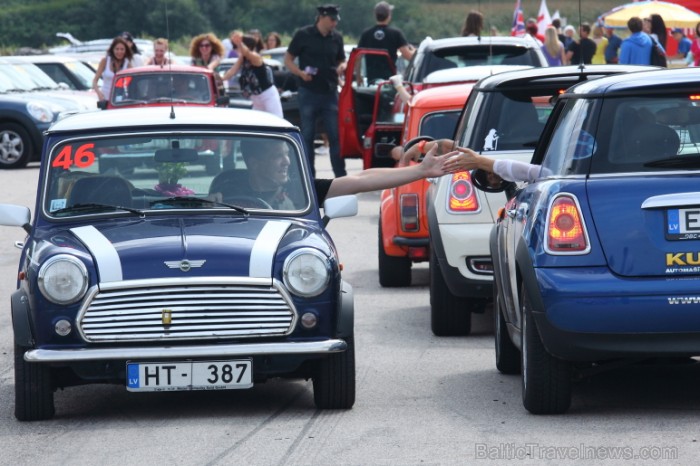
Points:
[676,162]
[96,206]
[199,201]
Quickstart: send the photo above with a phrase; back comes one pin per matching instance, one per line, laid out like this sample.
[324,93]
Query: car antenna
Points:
[170,64]
[581,66]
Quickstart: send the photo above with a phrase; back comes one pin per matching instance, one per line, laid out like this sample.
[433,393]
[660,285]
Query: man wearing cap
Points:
[683,44]
[383,36]
[320,51]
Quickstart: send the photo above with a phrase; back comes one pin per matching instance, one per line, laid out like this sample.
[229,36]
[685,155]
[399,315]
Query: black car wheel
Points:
[546,379]
[334,380]
[15,146]
[33,389]
[450,315]
[393,271]
[507,355]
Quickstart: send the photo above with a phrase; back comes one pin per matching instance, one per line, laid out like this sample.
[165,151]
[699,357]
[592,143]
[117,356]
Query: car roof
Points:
[469,73]
[672,80]
[147,117]
[165,69]
[548,75]
[433,44]
[47,58]
[442,96]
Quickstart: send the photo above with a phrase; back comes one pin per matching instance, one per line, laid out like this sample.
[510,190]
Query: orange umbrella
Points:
[674,15]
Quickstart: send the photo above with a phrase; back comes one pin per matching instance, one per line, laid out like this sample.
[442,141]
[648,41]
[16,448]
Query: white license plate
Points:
[188,375]
[683,224]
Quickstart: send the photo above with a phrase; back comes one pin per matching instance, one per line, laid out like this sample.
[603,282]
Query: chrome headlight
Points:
[63,279]
[40,112]
[306,272]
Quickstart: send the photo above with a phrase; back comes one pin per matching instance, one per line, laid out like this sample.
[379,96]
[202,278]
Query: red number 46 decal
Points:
[82,158]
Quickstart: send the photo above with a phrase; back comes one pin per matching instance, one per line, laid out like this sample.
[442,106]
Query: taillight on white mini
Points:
[566,229]
[409,212]
[462,197]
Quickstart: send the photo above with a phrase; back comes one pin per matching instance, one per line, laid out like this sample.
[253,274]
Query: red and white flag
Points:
[518,28]
[543,18]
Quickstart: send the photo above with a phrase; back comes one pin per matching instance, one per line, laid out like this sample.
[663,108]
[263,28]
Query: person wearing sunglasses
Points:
[206,50]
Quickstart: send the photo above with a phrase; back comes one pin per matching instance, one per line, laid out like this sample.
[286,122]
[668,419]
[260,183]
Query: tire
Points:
[450,315]
[546,379]
[33,389]
[334,379]
[507,355]
[393,271]
[16,147]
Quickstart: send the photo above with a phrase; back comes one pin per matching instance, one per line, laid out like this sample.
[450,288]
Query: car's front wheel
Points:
[450,315]
[393,271]
[507,355]
[546,379]
[334,379]
[33,389]
[15,146]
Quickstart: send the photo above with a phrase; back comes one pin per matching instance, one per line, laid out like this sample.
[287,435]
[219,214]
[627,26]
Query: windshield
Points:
[33,73]
[152,172]
[161,87]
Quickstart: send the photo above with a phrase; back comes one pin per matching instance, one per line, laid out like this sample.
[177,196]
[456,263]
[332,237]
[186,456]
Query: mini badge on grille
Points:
[185,265]
[167,317]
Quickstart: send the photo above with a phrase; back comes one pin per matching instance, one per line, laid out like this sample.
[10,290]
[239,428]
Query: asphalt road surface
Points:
[420,399]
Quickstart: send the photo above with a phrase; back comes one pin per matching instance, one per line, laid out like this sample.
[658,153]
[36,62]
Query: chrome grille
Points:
[177,310]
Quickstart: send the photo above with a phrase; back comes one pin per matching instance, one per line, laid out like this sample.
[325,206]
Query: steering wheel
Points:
[248,202]
[480,179]
[412,142]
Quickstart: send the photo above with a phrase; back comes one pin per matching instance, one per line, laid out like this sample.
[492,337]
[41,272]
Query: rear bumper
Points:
[589,314]
[186,352]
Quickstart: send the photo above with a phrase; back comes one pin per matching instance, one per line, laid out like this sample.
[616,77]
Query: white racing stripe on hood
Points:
[263,253]
[109,266]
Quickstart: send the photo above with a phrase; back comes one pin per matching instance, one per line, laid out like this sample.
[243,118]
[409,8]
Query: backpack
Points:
[658,56]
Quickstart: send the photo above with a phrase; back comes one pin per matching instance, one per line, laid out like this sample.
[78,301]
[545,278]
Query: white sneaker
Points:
[322,150]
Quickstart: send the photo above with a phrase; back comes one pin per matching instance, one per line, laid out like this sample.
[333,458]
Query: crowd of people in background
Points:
[316,57]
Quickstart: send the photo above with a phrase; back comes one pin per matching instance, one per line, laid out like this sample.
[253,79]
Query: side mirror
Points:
[337,207]
[223,101]
[382,150]
[489,183]
[15,216]
[102,104]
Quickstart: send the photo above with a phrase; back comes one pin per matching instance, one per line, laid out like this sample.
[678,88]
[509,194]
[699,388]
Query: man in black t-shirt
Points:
[583,48]
[383,36]
[321,52]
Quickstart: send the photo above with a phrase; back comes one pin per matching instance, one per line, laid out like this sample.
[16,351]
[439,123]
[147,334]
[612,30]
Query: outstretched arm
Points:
[373,179]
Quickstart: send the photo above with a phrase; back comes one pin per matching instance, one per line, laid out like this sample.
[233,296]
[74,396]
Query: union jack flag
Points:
[518,28]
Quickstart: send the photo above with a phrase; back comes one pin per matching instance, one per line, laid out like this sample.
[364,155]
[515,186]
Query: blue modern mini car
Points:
[597,260]
[165,276]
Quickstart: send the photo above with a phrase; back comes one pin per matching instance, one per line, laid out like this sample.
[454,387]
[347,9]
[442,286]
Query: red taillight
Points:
[565,229]
[409,212]
[462,196]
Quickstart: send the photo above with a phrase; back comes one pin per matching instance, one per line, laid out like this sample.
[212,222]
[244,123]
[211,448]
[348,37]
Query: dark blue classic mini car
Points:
[158,275]
[597,260]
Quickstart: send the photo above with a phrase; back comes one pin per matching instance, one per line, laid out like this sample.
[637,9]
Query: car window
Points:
[199,171]
[473,55]
[573,141]
[511,120]
[439,125]
[157,87]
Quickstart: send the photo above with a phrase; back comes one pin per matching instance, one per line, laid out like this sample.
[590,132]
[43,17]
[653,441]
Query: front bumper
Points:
[186,352]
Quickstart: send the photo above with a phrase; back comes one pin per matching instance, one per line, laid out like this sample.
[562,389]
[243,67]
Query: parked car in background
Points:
[503,118]
[168,278]
[29,102]
[72,71]
[95,46]
[595,260]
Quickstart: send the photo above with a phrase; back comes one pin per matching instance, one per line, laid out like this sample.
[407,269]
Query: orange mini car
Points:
[403,221]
